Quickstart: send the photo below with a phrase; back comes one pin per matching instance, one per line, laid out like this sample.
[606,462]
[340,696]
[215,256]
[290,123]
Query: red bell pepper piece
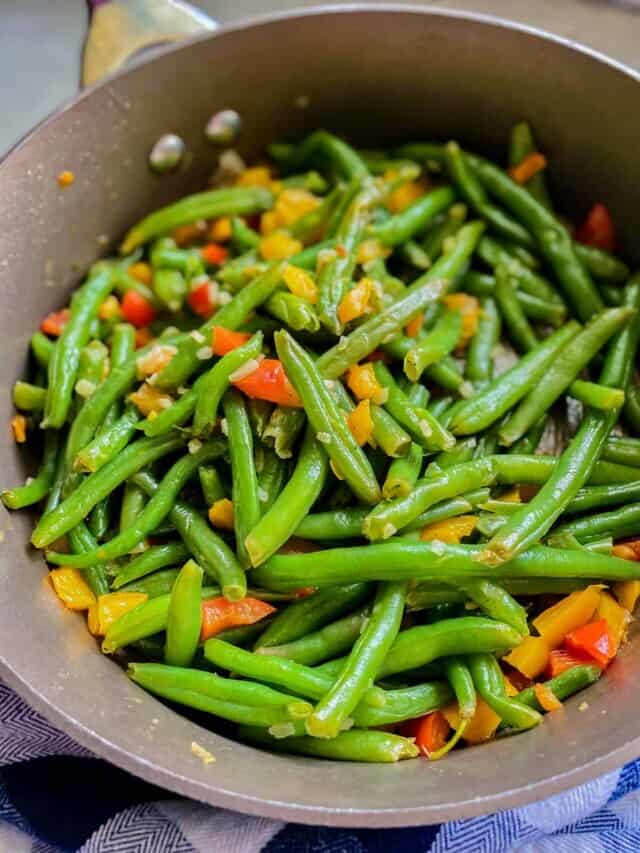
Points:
[430,732]
[560,660]
[269,382]
[137,310]
[593,639]
[202,299]
[54,323]
[224,340]
[598,229]
[220,614]
[214,254]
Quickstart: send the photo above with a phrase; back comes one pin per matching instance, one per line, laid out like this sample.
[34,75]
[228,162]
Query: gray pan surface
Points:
[377,75]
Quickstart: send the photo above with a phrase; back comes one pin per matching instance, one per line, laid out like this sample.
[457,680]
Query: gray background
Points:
[41,42]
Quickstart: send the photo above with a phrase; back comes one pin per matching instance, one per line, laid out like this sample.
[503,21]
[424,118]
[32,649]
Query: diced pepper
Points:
[405,195]
[110,308]
[560,660]
[214,254]
[527,168]
[510,687]
[360,423]
[431,732]
[300,283]
[137,310]
[269,382]
[292,203]
[530,657]
[143,337]
[371,250]
[65,179]
[111,607]
[142,272]
[594,639]
[546,697]
[220,614]
[54,323]
[362,380]
[256,176]
[149,399]
[481,726]
[219,230]
[269,222]
[19,427]
[567,615]
[224,340]
[627,593]
[598,229]
[202,299]
[616,616]
[450,530]
[305,591]
[221,514]
[279,245]
[629,549]
[414,327]
[158,357]
[356,302]
[469,308]
[187,235]
[71,588]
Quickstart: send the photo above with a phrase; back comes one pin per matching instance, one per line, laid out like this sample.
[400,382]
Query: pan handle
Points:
[120,28]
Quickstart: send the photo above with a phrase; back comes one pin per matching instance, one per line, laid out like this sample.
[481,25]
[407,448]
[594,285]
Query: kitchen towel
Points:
[55,797]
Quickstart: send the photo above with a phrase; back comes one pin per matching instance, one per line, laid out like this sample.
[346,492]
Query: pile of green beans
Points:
[296,492]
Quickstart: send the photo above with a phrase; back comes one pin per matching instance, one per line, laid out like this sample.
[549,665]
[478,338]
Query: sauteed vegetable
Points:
[345,451]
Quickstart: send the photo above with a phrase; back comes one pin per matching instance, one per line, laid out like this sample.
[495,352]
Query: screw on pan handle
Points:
[120,28]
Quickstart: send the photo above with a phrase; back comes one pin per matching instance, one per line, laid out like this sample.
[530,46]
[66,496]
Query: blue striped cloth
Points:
[55,797]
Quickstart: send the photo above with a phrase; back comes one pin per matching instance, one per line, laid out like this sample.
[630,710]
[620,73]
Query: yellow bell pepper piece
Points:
[257,176]
[278,245]
[405,195]
[451,530]
[469,308]
[221,514]
[617,617]
[111,607]
[360,423]
[480,727]
[569,613]
[511,689]
[627,593]
[142,272]
[110,308]
[356,302]
[71,588]
[149,399]
[530,657]
[362,380]
[371,250]
[293,203]
[220,230]
[300,283]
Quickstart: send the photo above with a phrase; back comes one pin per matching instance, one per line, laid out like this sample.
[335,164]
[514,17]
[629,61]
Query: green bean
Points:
[323,146]
[427,595]
[283,429]
[387,518]
[515,320]
[139,521]
[414,255]
[259,412]
[448,509]
[184,619]
[392,440]
[243,237]
[552,237]
[42,348]
[632,408]
[133,503]
[28,397]
[207,548]
[108,444]
[326,419]
[459,677]
[496,602]
[403,474]
[315,223]
[611,294]
[312,612]
[537,470]
[403,226]
[363,662]
[464,451]
[170,287]
[230,316]
[235,201]
[356,745]
[272,476]
[97,486]
[153,585]
[333,524]
[521,144]
[483,286]
[617,523]
[64,361]
[165,256]
[156,557]
[325,643]
[597,396]
[80,540]
[244,491]
[212,487]
[487,676]
[529,442]
[294,311]
[593,497]
[38,488]
[602,265]
[503,392]
[568,363]
[212,385]
[406,560]
[430,349]
[494,254]
[623,450]
[563,685]
[483,343]
[437,236]
[473,192]
[335,276]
